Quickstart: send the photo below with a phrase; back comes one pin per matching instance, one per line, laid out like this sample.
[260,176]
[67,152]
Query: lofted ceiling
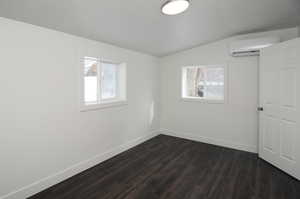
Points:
[139,24]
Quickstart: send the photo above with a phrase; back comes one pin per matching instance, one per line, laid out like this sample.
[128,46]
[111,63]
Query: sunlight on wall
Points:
[151,113]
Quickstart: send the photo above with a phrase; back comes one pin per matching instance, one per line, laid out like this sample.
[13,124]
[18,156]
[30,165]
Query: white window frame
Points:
[199,99]
[121,88]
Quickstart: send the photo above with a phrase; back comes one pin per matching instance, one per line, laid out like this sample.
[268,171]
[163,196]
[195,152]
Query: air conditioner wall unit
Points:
[251,47]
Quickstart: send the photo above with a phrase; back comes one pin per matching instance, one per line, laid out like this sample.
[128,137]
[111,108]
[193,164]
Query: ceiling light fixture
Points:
[174,7]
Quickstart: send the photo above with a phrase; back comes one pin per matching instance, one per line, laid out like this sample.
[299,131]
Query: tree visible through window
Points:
[203,82]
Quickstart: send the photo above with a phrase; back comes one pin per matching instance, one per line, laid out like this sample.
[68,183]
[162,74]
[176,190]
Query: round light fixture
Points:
[174,7]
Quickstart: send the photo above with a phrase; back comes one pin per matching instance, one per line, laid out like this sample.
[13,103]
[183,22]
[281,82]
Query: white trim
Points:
[223,143]
[60,176]
[208,101]
[99,83]
[103,105]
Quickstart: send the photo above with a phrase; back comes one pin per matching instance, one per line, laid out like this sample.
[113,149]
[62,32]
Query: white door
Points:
[279,133]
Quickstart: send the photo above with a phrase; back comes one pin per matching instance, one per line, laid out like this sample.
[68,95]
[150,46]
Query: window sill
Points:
[103,105]
[207,101]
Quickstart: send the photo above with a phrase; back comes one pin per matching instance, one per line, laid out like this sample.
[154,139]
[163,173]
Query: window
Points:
[103,83]
[203,83]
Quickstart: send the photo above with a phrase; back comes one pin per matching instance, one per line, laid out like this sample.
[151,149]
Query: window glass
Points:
[103,84]
[109,80]
[203,82]
[90,81]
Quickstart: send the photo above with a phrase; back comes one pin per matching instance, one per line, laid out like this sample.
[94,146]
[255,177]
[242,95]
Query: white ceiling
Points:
[139,24]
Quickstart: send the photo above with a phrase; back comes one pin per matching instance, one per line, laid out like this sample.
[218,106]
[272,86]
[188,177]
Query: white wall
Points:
[233,124]
[44,137]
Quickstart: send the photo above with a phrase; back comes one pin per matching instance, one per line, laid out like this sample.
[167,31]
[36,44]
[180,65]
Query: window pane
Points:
[204,82]
[90,81]
[109,80]
[194,84]
[214,87]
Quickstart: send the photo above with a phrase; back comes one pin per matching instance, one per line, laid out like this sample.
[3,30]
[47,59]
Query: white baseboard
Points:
[242,147]
[58,177]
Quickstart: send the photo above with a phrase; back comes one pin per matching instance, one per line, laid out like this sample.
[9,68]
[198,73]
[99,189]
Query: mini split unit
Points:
[251,47]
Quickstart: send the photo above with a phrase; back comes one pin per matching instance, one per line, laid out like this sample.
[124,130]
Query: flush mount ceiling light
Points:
[174,7]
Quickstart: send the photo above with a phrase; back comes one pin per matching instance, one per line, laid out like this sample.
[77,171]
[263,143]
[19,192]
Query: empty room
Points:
[150,99]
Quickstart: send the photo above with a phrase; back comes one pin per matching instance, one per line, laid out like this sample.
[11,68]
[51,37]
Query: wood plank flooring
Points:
[172,168]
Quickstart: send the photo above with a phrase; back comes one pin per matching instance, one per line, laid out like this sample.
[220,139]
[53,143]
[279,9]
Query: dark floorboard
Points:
[171,168]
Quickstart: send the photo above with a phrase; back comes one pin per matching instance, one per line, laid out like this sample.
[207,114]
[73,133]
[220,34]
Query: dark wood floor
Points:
[173,168]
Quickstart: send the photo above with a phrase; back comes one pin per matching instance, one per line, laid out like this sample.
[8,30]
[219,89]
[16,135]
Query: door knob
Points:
[260,109]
